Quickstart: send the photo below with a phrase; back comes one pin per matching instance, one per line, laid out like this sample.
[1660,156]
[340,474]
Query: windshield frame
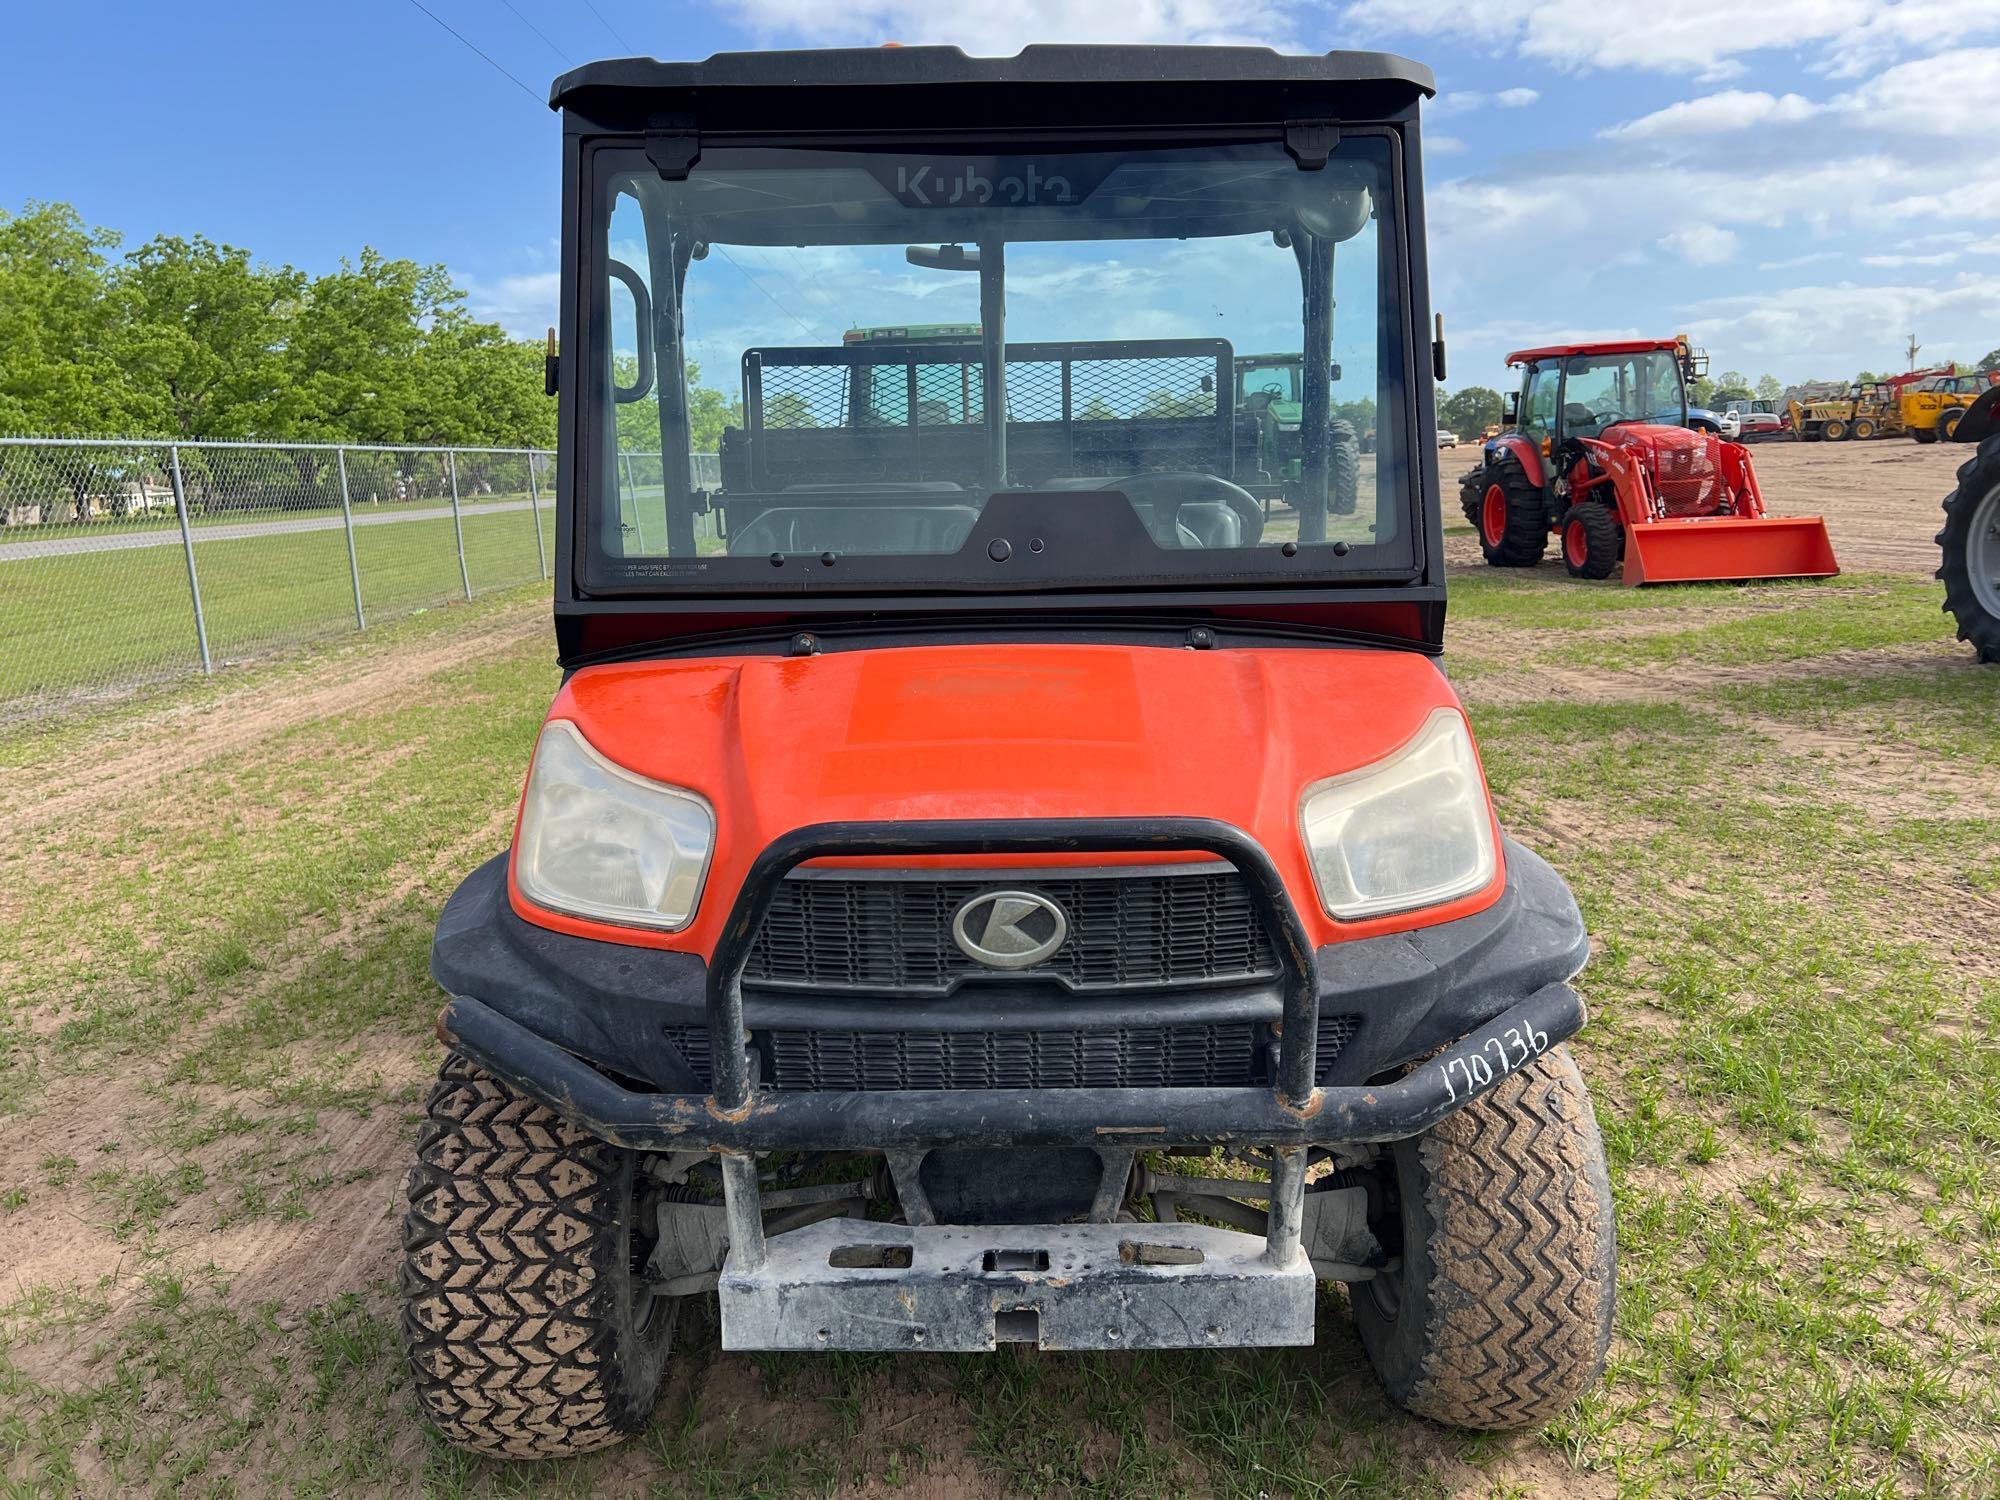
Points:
[898,579]
[1564,363]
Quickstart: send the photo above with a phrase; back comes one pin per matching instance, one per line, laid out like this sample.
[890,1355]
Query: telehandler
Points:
[969,889]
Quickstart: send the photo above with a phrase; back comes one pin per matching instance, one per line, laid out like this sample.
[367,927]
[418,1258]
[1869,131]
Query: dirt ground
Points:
[213,1103]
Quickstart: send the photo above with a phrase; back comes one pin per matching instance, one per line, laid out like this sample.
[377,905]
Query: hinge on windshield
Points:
[673,145]
[1311,142]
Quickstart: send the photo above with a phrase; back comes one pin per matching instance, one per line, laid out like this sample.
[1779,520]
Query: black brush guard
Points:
[738,1121]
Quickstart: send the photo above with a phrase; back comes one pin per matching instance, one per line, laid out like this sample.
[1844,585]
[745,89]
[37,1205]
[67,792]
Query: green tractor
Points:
[1270,394]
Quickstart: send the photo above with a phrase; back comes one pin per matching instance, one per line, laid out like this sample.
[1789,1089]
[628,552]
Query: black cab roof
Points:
[877,67]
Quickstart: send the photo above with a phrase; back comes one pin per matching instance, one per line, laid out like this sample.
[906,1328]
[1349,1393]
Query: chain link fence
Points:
[124,563]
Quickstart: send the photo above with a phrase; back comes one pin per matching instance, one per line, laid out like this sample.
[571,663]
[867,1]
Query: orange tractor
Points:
[1598,454]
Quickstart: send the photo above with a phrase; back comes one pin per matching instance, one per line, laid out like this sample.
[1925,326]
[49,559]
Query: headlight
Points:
[1409,831]
[598,841]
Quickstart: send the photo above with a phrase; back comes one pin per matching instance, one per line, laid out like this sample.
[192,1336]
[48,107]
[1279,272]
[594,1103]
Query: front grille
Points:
[1686,475]
[1218,1055]
[893,935]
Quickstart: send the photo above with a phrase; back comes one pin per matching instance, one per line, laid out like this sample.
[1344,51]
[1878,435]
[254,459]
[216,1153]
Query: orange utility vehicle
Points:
[957,833]
[1599,454]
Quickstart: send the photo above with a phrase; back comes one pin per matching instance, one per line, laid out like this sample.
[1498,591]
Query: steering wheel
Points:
[1273,390]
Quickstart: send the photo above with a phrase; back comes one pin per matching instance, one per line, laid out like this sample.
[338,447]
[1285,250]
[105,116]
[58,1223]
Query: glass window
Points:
[1538,402]
[802,334]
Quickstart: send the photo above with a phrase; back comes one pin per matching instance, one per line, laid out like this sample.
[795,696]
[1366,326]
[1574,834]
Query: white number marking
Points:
[1526,1044]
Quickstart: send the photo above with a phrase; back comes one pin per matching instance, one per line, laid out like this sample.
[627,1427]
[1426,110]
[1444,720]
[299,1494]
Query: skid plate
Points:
[1728,548]
[850,1284]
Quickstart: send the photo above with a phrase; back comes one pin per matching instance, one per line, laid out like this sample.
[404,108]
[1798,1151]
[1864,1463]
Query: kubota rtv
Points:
[954,827]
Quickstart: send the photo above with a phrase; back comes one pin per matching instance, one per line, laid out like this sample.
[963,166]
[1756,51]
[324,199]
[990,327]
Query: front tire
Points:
[1500,1315]
[529,1330]
[1508,513]
[1947,422]
[1864,428]
[1592,540]
[1835,431]
[1970,568]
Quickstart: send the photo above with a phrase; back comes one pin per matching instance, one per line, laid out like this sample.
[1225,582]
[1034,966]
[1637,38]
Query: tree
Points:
[1989,362]
[1701,391]
[64,326]
[1468,412]
[1768,388]
[1730,385]
[207,330]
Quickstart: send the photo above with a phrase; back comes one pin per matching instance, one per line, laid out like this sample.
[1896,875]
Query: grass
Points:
[1790,860]
[117,618]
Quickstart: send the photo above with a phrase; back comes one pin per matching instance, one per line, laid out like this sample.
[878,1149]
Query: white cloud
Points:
[1516,98]
[1701,244]
[997,29]
[524,305]
[1794,262]
[1705,38]
[1715,114]
[1443,145]
[1452,101]
[1845,326]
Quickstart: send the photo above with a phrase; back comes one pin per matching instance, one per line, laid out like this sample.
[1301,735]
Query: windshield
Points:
[845,319]
[1600,389]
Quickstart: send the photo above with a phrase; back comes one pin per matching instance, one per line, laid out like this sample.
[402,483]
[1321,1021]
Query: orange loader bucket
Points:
[1695,549]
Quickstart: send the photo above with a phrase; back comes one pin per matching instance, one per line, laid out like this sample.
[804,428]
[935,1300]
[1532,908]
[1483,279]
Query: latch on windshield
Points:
[673,145]
[1311,142]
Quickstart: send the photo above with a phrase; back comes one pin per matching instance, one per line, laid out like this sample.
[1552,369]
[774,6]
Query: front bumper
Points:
[557,1017]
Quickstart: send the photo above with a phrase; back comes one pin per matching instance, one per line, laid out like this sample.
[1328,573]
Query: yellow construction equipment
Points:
[1931,408]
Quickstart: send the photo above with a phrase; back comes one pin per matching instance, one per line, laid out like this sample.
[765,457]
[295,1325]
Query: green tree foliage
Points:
[65,326]
[188,338]
[1730,385]
[205,334]
[1769,388]
[709,411]
[1468,412]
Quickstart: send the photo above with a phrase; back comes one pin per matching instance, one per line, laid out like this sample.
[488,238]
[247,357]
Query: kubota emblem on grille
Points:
[1009,929]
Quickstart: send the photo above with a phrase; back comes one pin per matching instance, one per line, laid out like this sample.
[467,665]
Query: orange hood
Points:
[1014,731]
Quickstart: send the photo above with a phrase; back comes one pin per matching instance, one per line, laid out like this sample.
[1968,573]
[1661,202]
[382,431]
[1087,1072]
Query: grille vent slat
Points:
[894,936]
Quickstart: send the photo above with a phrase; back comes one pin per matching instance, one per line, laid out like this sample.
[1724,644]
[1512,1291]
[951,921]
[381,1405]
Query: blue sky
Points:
[1597,167]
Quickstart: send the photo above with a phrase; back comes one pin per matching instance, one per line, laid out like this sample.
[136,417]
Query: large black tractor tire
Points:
[1500,1315]
[1343,467]
[1592,540]
[529,1330]
[1924,434]
[1836,430]
[1970,569]
[1864,428]
[1507,512]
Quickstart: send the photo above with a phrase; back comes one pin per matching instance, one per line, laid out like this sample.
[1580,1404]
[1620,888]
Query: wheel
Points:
[1925,434]
[1947,422]
[1500,1314]
[1343,468]
[1835,430]
[1508,512]
[1970,569]
[526,1318]
[1864,428]
[1592,540]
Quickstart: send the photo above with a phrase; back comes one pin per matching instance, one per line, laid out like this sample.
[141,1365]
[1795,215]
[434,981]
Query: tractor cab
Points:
[1582,392]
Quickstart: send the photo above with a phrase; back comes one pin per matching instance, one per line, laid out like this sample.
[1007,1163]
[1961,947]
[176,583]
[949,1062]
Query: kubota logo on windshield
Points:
[929,185]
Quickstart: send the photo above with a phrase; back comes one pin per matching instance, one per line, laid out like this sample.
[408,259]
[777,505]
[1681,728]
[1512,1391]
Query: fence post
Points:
[535,505]
[187,547]
[457,525]
[353,563]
